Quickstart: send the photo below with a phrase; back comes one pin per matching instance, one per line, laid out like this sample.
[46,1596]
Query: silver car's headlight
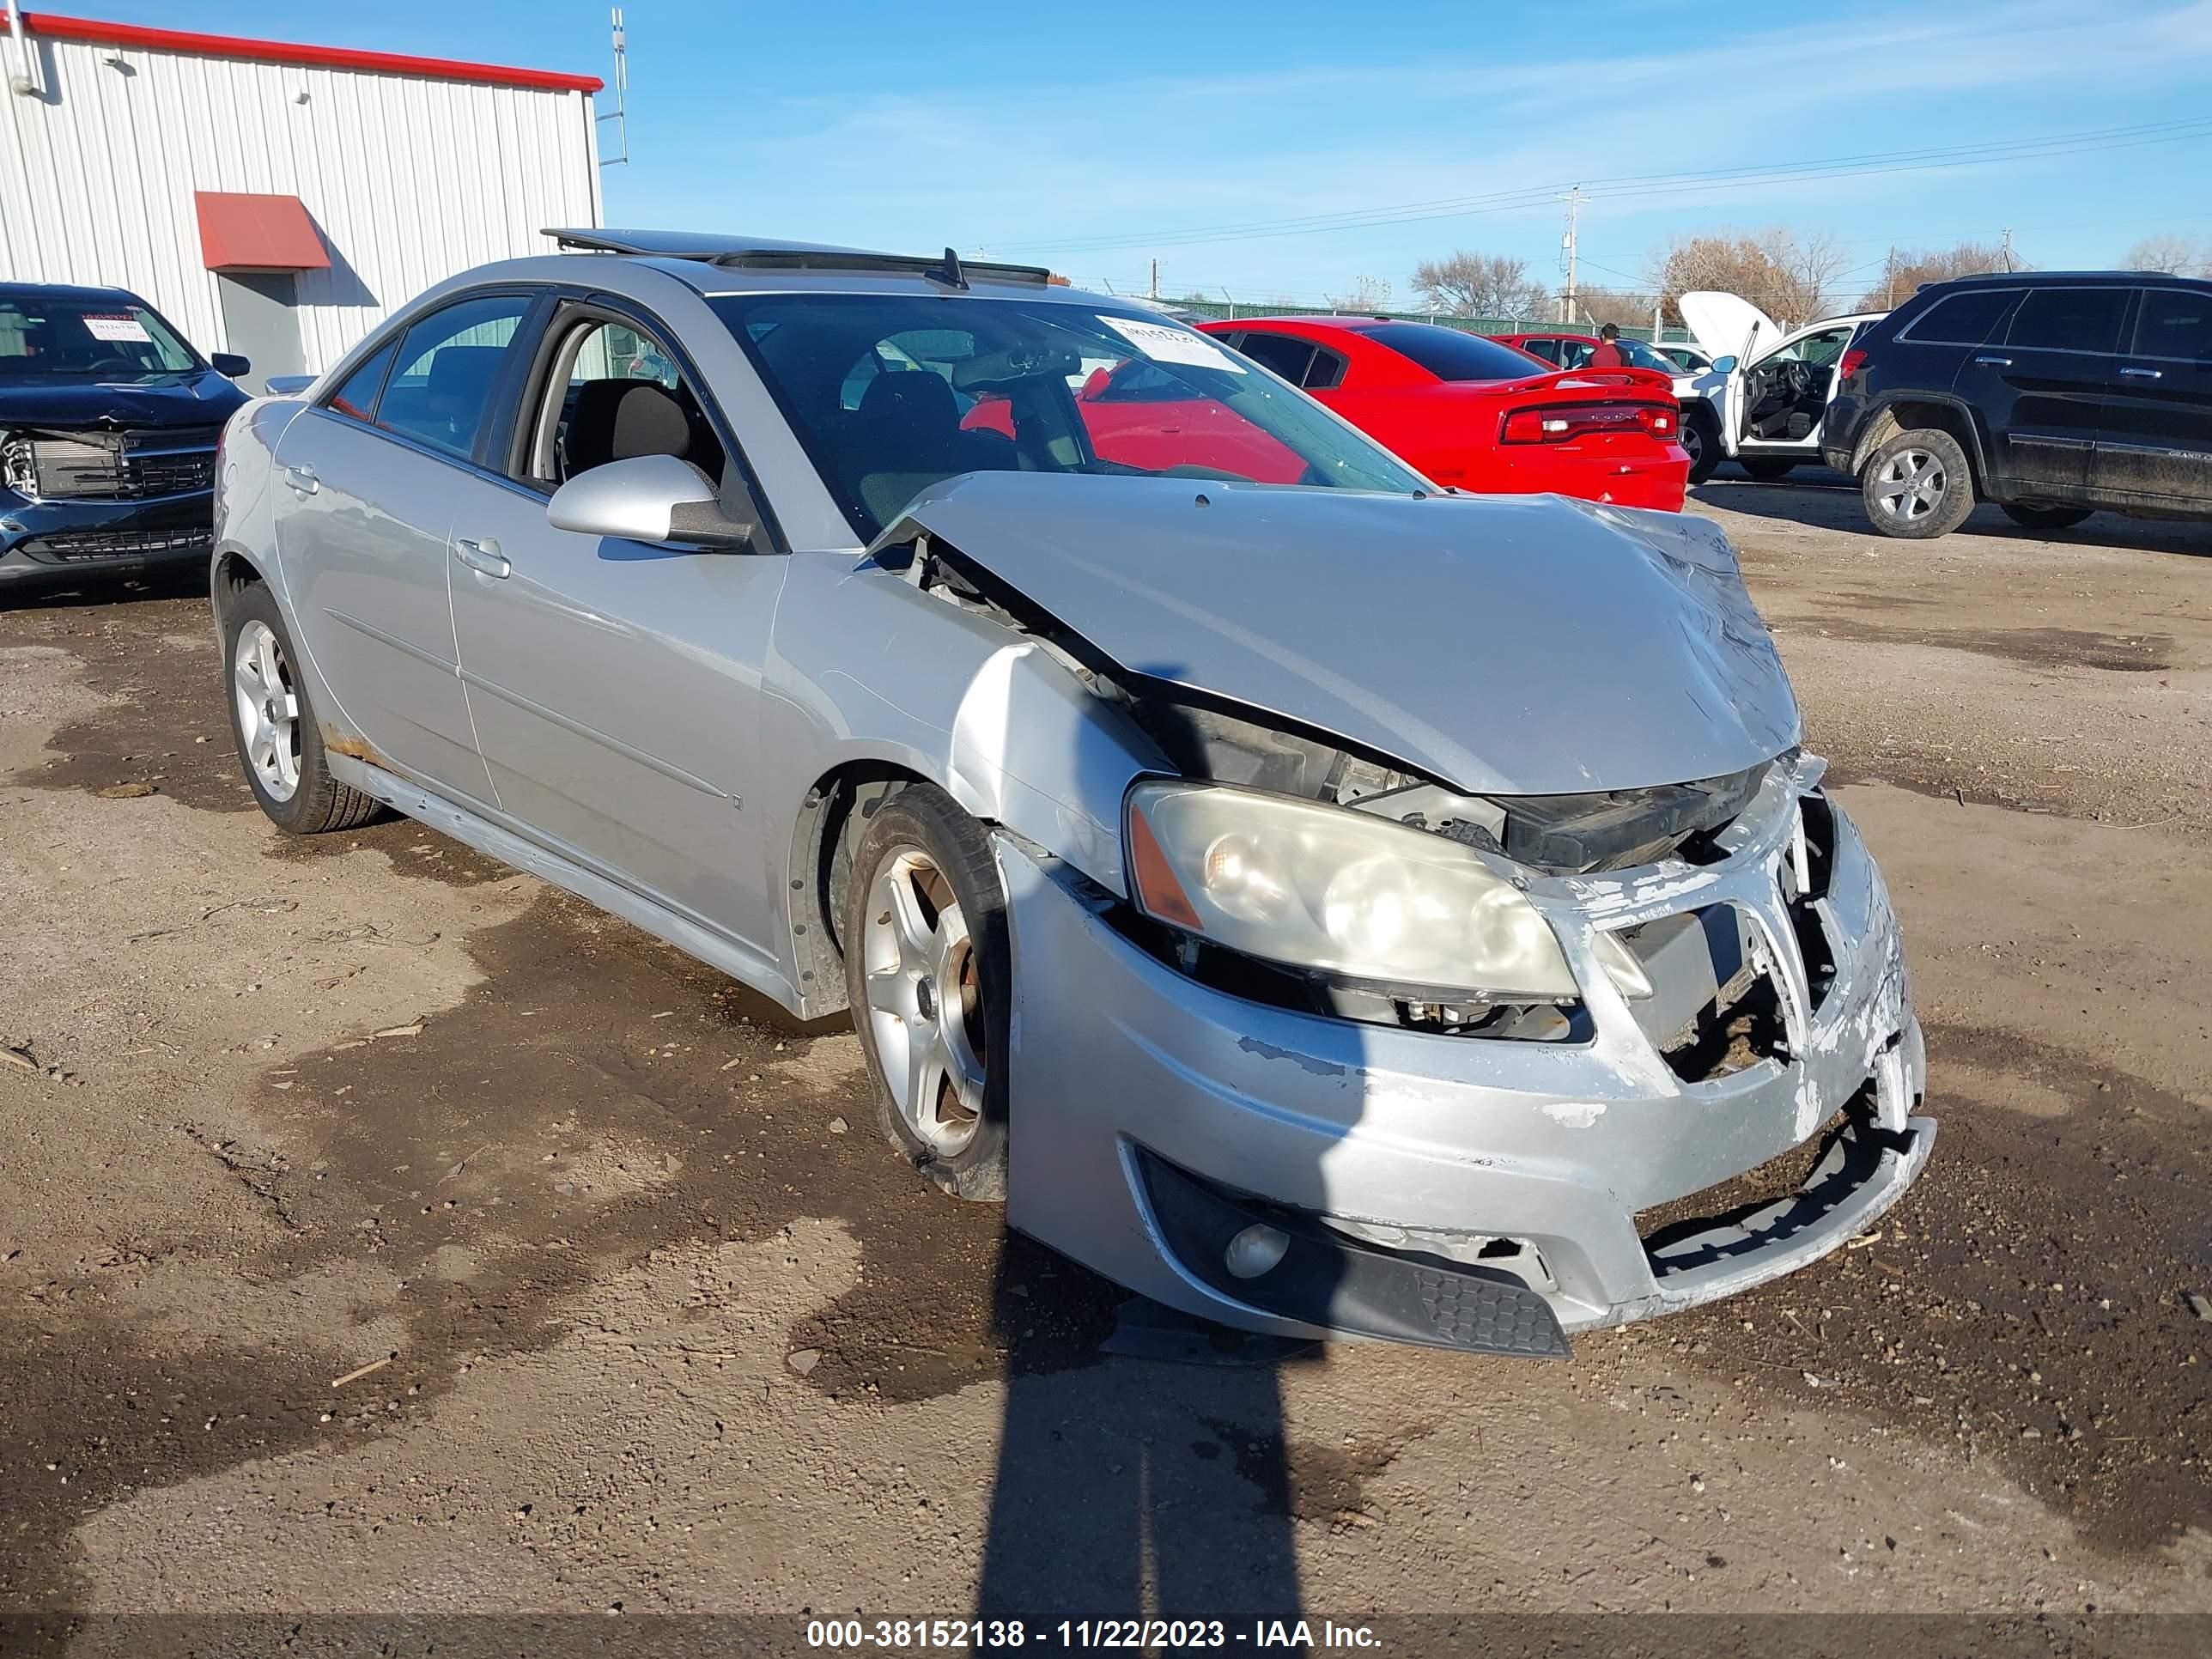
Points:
[1318,886]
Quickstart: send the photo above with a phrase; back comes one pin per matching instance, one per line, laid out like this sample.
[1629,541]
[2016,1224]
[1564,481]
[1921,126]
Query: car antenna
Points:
[948,272]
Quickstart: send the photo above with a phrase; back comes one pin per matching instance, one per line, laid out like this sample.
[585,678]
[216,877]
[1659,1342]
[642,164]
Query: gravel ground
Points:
[380,1228]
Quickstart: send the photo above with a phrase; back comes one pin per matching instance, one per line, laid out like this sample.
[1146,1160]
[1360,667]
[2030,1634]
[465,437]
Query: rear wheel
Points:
[1917,485]
[1766,468]
[2029,516]
[927,969]
[279,743]
[1701,438]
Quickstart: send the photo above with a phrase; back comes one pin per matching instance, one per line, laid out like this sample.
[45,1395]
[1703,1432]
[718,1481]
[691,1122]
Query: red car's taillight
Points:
[1562,422]
[1849,363]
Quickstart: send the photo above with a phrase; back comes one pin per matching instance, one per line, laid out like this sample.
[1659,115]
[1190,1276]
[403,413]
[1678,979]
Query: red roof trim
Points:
[256,233]
[278,52]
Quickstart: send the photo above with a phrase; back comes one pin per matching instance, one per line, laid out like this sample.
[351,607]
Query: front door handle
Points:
[303,479]
[1996,363]
[483,556]
[2144,373]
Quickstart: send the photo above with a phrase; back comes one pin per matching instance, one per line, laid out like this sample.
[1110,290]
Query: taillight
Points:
[1565,422]
[1851,363]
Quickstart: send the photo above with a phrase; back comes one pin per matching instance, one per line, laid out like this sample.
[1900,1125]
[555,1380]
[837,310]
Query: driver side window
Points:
[612,392]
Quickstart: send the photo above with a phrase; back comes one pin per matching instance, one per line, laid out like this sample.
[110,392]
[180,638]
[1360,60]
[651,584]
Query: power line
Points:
[1628,186]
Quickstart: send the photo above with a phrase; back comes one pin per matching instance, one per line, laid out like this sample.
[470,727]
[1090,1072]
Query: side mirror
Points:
[230,365]
[288,385]
[1724,364]
[647,498]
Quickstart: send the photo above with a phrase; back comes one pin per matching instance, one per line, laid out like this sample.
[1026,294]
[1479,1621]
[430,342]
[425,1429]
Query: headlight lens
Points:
[1324,887]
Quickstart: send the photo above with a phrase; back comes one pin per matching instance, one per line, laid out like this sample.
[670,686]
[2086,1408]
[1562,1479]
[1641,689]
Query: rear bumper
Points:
[46,541]
[1461,1161]
[1644,474]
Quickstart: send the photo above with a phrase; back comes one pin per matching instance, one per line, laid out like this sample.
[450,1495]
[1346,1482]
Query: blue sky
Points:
[1030,131]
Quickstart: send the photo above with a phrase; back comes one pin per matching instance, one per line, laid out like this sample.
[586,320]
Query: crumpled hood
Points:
[1506,645]
[203,398]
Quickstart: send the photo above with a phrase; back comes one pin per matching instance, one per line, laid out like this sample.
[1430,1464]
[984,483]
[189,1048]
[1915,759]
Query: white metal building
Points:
[269,199]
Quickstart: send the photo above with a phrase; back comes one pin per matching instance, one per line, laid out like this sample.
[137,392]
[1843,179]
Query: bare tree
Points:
[1479,285]
[1605,305]
[1787,277]
[1366,293]
[1903,271]
[2178,256]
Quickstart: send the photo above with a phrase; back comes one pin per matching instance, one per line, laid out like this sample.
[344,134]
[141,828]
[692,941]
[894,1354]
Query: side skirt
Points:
[717,949]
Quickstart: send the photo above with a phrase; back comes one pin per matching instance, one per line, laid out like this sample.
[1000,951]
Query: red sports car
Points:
[1485,417]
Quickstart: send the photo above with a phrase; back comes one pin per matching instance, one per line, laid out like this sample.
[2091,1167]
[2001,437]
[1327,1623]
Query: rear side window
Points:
[1328,371]
[355,396]
[1961,318]
[1548,349]
[2070,319]
[440,392]
[1287,355]
[2175,322]
[1450,353]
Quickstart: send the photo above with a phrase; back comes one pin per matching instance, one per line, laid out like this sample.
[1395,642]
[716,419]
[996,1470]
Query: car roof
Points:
[2055,278]
[66,291]
[709,261]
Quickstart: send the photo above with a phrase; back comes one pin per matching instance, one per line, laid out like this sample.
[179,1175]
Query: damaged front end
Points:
[1241,1089]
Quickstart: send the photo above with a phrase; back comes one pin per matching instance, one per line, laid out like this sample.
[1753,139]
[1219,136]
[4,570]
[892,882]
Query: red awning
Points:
[256,233]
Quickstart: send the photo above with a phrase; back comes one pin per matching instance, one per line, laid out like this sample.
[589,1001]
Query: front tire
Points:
[280,745]
[1701,436]
[928,970]
[2030,517]
[1765,468]
[1917,485]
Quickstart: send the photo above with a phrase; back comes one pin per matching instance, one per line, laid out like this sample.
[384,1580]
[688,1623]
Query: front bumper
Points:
[1474,1160]
[46,541]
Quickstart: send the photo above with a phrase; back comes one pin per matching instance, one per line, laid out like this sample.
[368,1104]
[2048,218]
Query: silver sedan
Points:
[1321,902]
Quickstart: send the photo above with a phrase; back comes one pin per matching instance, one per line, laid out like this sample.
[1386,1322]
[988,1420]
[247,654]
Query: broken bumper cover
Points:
[42,540]
[1466,1184]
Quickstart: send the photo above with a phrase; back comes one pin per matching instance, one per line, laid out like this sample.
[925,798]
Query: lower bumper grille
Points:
[91,546]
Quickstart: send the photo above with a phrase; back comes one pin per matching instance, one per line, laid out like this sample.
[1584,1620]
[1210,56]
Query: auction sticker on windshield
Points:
[1163,344]
[117,328]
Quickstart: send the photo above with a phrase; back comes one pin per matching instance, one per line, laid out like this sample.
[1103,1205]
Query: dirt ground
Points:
[382,1229]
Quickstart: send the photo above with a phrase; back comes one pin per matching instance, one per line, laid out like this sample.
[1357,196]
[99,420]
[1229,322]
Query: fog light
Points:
[1255,1250]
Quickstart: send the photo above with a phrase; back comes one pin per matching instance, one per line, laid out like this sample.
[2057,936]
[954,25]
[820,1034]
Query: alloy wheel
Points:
[1910,485]
[267,709]
[925,1000]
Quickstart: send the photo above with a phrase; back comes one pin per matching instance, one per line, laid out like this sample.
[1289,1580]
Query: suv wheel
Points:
[1917,485]
[927,969]
[2029,516]
[279,743]
[1765,468]
[1701,437]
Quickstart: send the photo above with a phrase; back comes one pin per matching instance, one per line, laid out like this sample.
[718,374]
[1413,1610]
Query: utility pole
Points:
[620,113]
[2005,252]
[1155,290]
[1889,280]
[1574,201]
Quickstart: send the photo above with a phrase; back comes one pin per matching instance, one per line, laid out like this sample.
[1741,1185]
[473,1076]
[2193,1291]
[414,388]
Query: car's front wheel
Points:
[279,743]
[1765,468]
[1917,485]
[2029,516]
[927,968]
[1701,438]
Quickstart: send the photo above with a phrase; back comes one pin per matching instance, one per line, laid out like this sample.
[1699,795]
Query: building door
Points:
[261,323]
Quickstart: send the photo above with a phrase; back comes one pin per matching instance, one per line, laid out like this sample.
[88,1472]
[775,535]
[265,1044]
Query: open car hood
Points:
[1727,325]
[1505,645]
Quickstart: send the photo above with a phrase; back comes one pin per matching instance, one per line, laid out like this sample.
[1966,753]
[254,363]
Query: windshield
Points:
[45,337]
[891,394]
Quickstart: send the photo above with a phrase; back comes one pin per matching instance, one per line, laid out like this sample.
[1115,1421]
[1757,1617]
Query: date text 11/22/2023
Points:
[1138,1634]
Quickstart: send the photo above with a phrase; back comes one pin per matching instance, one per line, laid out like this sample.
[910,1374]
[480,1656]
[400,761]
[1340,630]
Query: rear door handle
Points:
[2144,373]
[303,479]
[1996,363]
[483,556]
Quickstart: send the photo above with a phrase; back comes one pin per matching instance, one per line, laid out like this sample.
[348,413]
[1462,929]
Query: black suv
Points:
[108,425]
[2050,393]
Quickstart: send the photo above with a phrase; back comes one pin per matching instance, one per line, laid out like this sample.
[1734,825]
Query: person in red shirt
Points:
[1608,354]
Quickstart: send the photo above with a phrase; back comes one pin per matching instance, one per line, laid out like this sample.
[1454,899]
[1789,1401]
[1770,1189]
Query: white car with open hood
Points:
[1762,402]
